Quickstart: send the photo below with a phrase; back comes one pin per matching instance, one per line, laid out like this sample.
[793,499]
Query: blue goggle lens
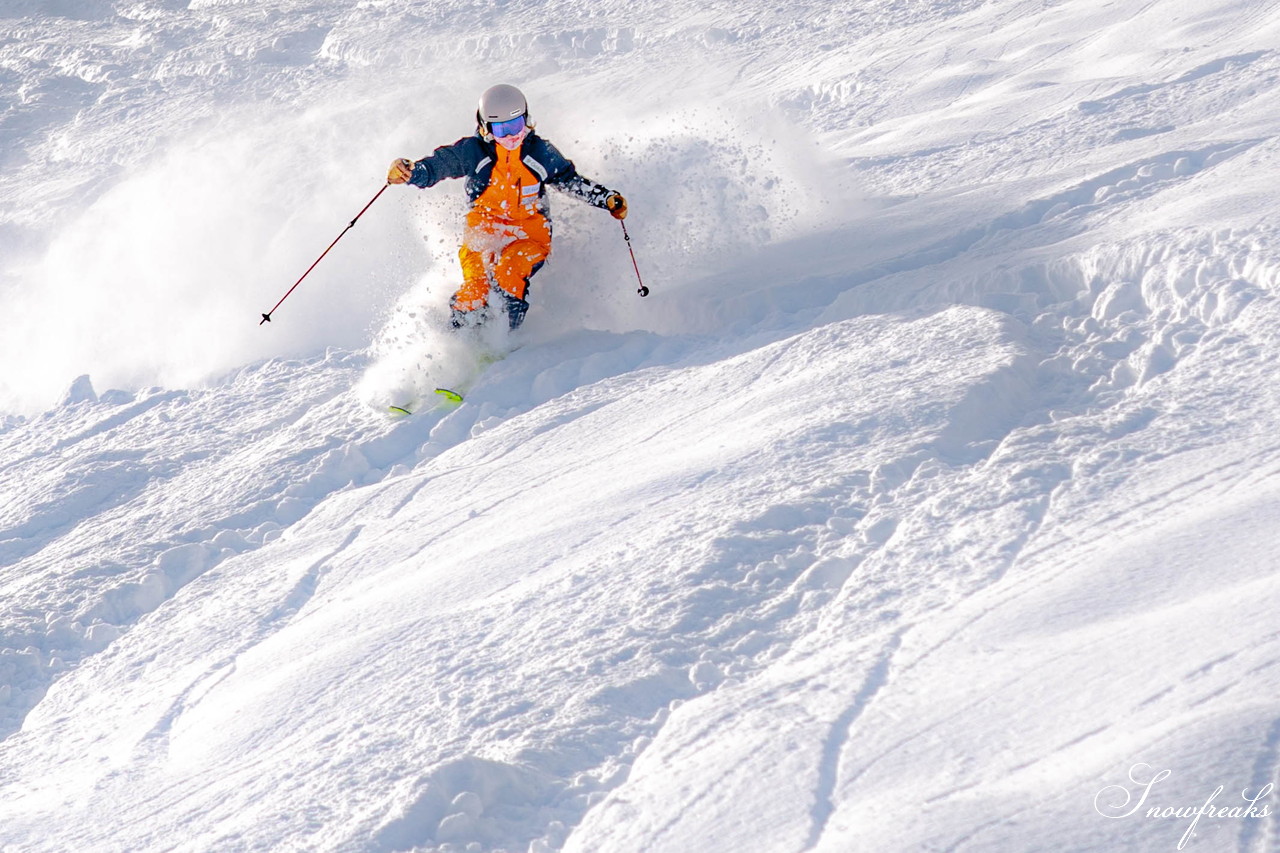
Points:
[510,127]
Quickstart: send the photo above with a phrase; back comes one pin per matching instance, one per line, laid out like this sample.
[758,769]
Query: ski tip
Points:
[450,396]
[445,399]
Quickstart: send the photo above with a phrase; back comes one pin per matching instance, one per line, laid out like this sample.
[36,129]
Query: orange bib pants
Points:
[507,237]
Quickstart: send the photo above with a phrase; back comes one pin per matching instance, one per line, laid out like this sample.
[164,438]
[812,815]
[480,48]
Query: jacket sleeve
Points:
[562,175]
[447,161]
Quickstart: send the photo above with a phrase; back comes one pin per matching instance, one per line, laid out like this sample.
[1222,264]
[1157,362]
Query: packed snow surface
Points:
[928,503]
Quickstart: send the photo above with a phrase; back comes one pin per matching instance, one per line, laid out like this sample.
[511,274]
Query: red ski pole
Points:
[643,291]
[266,318]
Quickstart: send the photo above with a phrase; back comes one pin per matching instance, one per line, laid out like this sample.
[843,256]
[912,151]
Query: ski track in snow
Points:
[829,771]
[902,523]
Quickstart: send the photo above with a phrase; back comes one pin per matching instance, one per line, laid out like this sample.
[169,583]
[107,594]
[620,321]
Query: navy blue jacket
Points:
[472,158]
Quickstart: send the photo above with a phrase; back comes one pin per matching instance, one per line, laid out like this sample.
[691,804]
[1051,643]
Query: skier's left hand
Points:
[616,205]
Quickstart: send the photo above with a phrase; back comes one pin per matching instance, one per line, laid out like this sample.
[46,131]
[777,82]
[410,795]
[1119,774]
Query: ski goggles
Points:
[510,127]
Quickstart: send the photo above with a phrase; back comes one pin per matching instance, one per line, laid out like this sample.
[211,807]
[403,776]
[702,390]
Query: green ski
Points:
[448,400]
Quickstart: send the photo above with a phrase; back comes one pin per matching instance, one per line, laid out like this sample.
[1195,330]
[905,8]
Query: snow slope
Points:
[927,503]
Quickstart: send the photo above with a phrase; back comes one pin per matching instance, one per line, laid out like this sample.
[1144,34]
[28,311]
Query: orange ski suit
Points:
[508,231]
[507,237]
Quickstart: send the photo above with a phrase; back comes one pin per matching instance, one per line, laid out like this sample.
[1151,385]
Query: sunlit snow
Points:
[927,503]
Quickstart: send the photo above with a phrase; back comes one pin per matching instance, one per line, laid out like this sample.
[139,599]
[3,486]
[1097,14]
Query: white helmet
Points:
[500,103]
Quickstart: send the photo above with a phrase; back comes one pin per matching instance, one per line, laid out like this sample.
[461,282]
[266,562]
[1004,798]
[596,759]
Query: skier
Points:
[508,231]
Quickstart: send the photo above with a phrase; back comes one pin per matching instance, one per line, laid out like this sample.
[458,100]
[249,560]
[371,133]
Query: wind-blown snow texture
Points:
[927,504]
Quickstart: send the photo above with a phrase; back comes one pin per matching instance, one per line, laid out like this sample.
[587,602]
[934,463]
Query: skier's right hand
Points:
[400,172]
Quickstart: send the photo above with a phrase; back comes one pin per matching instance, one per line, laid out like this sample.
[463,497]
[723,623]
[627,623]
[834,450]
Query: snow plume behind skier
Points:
[506,238]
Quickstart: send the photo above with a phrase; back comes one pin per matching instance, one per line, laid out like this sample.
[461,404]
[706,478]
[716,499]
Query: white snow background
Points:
[928,503]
